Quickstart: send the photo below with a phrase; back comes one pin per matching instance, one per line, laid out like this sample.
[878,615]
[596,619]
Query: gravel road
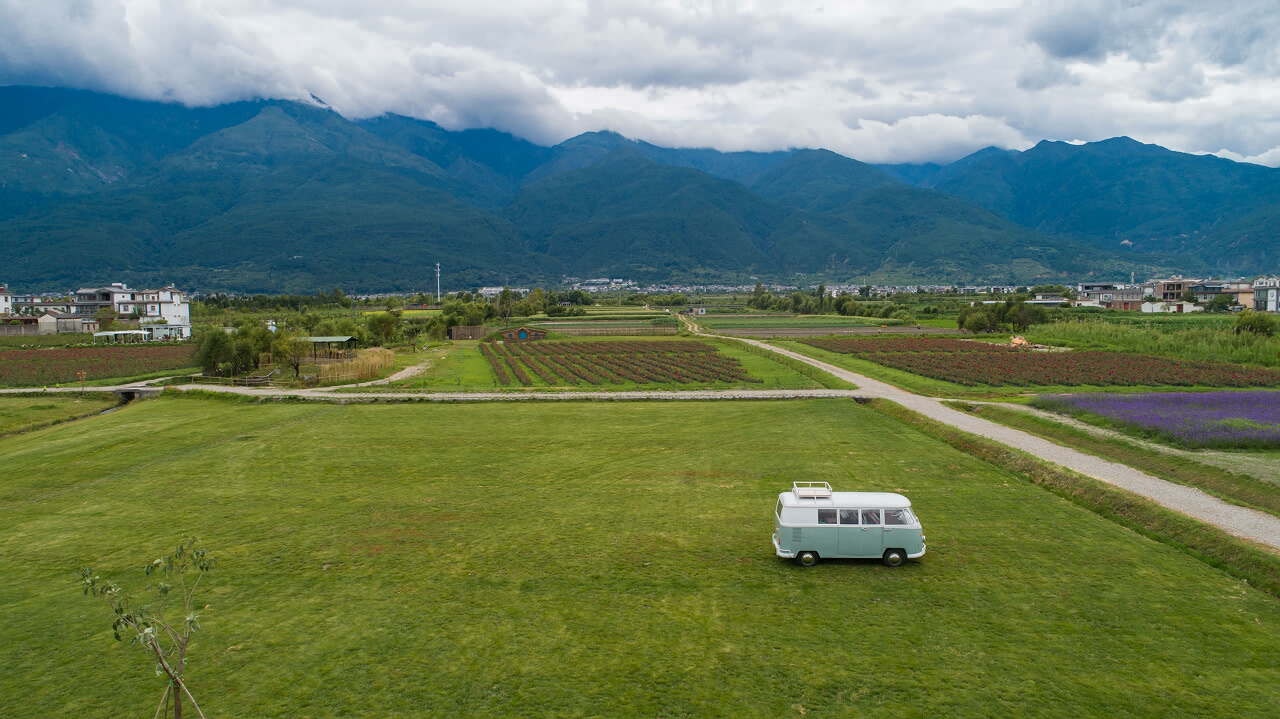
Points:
[1238,521]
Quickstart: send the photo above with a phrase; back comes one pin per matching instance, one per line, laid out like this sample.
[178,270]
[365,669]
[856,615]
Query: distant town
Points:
[117,312]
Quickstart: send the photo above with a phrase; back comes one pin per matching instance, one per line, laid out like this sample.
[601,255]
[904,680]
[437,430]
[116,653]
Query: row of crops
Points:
[1243,420]
[36,367]
[597,363]
[983,363]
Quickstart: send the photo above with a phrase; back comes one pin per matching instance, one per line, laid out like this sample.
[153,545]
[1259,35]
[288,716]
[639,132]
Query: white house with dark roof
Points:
[167,305]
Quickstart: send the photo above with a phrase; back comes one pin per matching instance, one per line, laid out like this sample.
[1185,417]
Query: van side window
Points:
[848,516]
[870,516]
[826,516]
[778,511]
[899,517]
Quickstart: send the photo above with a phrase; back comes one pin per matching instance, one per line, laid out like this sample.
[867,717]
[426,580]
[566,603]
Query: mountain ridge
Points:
[276,195]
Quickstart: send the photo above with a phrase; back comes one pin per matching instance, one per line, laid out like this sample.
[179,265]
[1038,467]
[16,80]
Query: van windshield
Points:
[899,517]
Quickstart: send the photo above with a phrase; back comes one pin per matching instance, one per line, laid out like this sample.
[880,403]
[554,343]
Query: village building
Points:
[1170,289]
[1266,294]
[1175,306]
[1111,295]
[518,334]
[167,305]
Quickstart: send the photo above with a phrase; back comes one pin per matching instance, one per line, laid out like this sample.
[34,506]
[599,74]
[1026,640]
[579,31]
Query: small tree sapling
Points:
[149,628]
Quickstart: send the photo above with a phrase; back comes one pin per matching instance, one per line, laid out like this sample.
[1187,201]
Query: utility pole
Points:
[437,283]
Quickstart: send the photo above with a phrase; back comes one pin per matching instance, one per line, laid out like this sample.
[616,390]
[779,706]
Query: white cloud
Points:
[906,81]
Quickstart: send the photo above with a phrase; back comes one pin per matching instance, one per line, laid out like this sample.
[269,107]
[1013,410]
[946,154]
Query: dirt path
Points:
[1259,467]
[405,373]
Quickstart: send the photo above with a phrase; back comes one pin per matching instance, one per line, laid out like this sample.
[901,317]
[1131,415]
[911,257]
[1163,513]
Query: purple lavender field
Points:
[1245,420]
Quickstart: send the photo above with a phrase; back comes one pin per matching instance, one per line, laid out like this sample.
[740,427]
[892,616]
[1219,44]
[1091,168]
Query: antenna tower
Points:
[437,283]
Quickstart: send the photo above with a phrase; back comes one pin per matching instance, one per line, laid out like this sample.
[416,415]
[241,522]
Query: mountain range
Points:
[286,196]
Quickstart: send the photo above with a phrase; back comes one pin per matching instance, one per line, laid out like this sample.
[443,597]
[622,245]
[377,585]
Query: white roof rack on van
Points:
[811,490]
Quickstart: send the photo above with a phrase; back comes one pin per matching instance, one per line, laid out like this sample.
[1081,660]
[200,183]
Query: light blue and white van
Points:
[812,523]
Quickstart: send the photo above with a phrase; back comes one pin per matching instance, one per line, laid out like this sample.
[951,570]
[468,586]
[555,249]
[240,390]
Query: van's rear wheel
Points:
[807,559]
[894,557]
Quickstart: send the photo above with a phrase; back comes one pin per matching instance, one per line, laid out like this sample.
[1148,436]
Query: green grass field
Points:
[593,560]
[460,367]
[22,412]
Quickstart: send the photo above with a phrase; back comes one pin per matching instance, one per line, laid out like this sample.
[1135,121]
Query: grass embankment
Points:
[1209,544]
[26,412]
[1233,487]
[459,367]
[594,559]
[930,387]
[1192,340]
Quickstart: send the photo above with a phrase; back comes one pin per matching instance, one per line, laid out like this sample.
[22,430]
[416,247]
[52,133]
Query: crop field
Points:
[717,322]
[979,363]
[597,363]
[36,367]
[461,366]
[1191,340]
[1222,420]
[593,560]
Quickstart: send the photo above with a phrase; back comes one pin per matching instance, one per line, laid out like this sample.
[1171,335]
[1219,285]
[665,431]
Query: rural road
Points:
[1238,521]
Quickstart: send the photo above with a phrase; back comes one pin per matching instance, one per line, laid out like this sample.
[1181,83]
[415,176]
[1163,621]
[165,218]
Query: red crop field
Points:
[975,363]
[37,367]
[598,363]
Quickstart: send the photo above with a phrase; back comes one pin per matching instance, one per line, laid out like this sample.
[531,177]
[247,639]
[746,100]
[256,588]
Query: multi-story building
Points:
[1112,295]
[167,305]
[6,301]
[33,305]
[1170,289]
[1240,291]
[1266,294]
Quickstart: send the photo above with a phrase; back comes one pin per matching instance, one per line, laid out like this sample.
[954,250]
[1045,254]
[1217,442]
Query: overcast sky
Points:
[885,81]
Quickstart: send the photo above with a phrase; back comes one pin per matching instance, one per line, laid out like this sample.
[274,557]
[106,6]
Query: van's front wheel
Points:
[807,559]
[894,557]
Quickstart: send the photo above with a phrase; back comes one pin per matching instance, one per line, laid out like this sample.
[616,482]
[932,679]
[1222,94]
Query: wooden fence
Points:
[367,365]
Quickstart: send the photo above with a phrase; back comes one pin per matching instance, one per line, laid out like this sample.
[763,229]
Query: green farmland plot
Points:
[23,412]
[460,366]
[395,560]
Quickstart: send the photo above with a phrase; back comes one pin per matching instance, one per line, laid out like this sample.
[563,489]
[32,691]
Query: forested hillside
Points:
[285,196]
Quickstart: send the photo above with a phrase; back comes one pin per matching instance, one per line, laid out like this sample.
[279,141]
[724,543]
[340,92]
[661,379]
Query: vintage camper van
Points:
[811,522]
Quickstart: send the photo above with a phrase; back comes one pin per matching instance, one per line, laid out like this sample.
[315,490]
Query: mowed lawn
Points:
[22,412]
[593,559]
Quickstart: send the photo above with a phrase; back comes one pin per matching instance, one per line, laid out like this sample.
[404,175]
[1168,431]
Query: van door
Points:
[871,534]
[850,534]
